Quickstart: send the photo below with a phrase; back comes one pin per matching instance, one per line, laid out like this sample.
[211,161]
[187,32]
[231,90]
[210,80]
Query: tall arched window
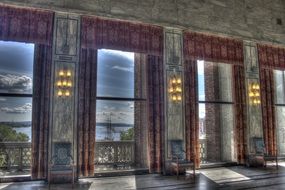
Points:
[16,87]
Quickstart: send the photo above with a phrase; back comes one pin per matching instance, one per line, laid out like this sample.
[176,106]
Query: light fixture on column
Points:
[175,89]
[64,83]
[254,93]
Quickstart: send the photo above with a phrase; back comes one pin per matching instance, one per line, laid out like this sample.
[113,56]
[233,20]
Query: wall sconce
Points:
[64,83]
[254,93]
[175,89]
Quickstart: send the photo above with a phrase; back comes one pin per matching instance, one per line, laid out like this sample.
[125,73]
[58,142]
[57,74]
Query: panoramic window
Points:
[16,83]
[117,99]
[280,110]
[215,112]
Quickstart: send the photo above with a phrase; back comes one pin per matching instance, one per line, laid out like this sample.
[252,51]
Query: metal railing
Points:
[114,153]
[15,155]
[203,150]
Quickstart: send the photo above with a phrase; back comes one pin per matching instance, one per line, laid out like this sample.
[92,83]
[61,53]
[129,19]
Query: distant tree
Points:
[8,134]
[127,135]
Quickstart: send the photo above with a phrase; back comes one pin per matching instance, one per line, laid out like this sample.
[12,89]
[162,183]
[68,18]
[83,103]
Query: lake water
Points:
[26,130]
[101,132]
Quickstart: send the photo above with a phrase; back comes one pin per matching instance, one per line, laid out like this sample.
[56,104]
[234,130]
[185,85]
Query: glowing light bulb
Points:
[69,84]
[174,98]
[179,98]
[179,80]
[68,73]
[179,89]
[67,93]
[59,83]
[251,94]
[61,73]
[64,83]
[257,94]
[174,81]
[59,93]
[170,90]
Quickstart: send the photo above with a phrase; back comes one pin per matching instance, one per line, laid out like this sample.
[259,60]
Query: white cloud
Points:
[15,83]
[128,55]
[3,99]
[200,67]
[18,110]
[131,105]
[126,69]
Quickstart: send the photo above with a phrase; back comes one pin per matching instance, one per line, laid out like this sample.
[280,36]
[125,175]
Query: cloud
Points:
[131,105]
[18,110]
[15,83]
[200,67]
[3,99]
[126,69]
[123,54]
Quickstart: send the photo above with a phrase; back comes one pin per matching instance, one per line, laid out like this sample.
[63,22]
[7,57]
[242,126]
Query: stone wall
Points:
[248,19]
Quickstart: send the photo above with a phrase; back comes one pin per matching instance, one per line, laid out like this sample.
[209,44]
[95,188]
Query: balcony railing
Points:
[203,150]
[15,155]
[114,153]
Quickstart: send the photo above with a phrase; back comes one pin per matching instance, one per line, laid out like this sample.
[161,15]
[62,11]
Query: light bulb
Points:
[174,98]
[61,73]
[59,83]
[69,84]
[64,83]
[174,81]
[257,94]
[179,98]
[68,73]
[179,80]
[170,89]
[179,89]
[59,93]
[67,93]
[251,94]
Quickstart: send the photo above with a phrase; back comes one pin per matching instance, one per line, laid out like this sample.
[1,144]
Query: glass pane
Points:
[279,86]
[216,133]
[15,136]
[201,81]
[115,74]
[114,120]
[16,67]
[280,124]
[15,119]
[214,81]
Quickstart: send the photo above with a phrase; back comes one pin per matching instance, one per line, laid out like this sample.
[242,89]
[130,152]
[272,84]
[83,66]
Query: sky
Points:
[115,79]
[201,88]
[16,67]
[16,71]
[115,74]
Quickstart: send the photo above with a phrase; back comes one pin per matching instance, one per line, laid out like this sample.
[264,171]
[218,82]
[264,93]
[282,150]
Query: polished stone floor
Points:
[237,177]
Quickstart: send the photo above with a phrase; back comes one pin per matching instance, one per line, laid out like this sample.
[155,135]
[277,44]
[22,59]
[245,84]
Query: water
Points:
[101,132]
[26,130]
